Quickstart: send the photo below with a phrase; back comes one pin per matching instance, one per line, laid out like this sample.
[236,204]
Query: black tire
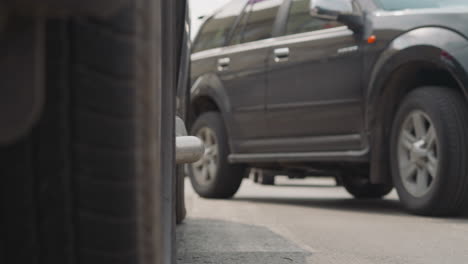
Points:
[359,186]
[449,114]
[255,177]
[77,189]
[228,177]
[339,180]
[180,211]
[266,178]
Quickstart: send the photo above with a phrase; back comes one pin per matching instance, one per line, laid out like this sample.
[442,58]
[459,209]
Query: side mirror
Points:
[331,8]
[340,10]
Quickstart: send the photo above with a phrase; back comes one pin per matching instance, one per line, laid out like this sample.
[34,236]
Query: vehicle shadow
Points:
[202,240]
[347,204]
[305,185]
[370,206]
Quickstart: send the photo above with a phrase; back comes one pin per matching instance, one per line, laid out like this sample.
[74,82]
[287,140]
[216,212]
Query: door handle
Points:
[281,54]
[223,63]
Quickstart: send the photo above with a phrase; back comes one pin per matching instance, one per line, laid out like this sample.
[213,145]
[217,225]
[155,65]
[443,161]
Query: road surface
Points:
[312,221]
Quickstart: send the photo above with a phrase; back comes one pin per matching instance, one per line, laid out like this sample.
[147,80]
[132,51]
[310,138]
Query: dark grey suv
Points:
[373,91]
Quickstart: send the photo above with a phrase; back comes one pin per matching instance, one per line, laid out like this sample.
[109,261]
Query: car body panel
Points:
[209,85]
[304,88]
[245,84]
[238,90]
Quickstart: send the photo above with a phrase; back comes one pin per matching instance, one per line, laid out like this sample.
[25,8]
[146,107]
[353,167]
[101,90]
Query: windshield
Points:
[393,5]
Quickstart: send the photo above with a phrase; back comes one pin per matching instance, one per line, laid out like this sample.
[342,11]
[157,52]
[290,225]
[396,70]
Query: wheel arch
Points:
[207,94]
[412,60]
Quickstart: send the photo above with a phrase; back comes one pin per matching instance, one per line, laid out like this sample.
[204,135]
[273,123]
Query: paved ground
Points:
[311,221]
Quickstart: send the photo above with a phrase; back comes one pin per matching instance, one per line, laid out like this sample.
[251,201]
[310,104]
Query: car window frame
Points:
[245,13]
[227,40]
[275,28]
[357,4]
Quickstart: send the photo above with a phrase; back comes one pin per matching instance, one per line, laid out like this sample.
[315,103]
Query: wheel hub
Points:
[417,154]
[206,168]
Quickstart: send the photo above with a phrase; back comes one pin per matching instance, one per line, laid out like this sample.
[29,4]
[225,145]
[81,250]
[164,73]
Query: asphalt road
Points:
[312,221]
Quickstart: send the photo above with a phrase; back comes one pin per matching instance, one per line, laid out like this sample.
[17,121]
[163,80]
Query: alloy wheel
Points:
[205,169]
[418,156]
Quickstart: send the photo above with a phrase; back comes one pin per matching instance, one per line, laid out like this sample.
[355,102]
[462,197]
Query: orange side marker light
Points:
[372,39]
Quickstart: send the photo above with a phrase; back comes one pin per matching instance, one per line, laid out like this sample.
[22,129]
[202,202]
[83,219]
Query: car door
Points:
[207,65]
[314,85]
[242,67]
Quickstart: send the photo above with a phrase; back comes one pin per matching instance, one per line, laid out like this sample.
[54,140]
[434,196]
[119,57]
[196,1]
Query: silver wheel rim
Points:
[204,170]
[418,156]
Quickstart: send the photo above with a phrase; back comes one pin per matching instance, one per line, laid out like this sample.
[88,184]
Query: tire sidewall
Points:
[419,101]
[212,121]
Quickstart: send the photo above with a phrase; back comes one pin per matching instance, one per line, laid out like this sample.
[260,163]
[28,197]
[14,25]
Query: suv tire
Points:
[429,149]
[360,187]
[266,178]
[213,176]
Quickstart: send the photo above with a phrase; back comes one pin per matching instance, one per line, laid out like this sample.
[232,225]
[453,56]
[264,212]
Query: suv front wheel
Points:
[429,151]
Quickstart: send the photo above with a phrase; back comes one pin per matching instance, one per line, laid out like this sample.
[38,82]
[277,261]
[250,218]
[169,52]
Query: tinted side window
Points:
[261,20]
[300,20]
[216,29]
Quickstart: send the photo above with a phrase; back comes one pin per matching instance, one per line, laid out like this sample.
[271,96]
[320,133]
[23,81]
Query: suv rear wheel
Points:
[429,151]
[213,176]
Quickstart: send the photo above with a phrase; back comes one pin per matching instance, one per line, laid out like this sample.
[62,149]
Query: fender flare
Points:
[210,86]
[418,45]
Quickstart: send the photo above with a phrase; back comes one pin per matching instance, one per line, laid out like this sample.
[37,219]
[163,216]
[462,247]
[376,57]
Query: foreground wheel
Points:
[213,176]
[360,187]
[180,210]
[429,152]
[80,186]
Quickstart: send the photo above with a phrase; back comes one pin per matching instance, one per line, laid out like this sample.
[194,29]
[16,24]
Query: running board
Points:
[347,156]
